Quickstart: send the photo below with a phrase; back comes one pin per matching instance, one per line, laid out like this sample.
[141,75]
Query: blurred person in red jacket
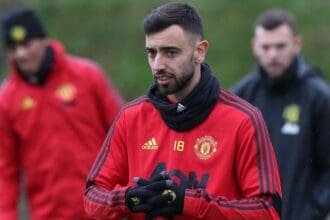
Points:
[55,110]
[189,149]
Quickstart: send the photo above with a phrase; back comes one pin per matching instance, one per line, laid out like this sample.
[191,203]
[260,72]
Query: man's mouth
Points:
[163,79]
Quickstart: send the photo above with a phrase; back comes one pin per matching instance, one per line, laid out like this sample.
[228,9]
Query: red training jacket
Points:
[53,131]
[227,163]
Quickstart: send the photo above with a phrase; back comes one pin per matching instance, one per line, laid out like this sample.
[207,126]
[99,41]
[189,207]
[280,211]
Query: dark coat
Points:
[296,109]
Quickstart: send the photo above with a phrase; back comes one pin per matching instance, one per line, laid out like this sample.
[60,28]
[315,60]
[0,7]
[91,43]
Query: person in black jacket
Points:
[295,102]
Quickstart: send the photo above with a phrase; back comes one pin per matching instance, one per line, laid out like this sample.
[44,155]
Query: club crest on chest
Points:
[205,147]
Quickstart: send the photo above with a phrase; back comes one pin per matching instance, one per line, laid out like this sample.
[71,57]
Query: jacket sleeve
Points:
[108,99]
[9,169]
[320,204]
[107,181]
[257,176]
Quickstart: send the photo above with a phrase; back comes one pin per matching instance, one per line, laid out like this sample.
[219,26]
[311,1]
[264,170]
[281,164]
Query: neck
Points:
[178,96]
[283,82]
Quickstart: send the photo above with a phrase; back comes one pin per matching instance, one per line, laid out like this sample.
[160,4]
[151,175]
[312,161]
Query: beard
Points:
[178,82]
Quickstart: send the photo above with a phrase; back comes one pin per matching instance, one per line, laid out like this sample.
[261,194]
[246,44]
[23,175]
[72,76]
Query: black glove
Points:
[168,203]
[137,196]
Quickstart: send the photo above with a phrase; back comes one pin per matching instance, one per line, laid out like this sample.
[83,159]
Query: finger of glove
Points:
[159,200]
[139,192]
[141,182]
[165,211]
[141,208]
[160,176]
[158,185]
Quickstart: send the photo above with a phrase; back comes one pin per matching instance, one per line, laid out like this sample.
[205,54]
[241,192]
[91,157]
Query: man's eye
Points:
[172,53]
[280,46]
[265,47]
[151,53]
[12,47]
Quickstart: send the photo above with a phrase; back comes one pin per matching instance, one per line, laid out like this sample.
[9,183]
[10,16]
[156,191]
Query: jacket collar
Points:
[194,108]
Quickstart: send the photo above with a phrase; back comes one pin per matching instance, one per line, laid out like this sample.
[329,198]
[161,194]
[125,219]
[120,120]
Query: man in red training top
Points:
[188,149]
[55,111]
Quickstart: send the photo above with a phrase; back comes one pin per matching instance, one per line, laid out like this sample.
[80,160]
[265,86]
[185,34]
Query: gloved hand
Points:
[137,197]
[168,203]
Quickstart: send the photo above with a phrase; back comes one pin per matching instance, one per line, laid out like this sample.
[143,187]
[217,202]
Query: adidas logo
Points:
[150,145]
[181,108]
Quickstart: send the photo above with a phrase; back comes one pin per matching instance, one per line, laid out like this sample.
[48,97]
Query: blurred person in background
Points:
[295,102]
[55,110]
[196,151]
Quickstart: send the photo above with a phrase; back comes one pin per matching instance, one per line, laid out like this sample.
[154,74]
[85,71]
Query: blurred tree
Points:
[111,33]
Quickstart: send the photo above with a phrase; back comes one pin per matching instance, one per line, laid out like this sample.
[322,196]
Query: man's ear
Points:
[253,46]
[297,43]
[201,51]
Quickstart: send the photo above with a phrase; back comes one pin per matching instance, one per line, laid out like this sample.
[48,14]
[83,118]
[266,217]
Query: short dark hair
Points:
[169,14]
[273,18]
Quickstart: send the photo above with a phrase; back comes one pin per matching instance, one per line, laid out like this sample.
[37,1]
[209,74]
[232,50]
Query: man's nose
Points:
[20,52]
[158,63]
[273,52]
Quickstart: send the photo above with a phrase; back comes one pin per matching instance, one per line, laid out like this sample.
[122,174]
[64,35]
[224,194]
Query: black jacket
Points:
[296,109]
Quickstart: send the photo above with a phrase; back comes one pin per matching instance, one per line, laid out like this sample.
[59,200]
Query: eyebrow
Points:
[163,48]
